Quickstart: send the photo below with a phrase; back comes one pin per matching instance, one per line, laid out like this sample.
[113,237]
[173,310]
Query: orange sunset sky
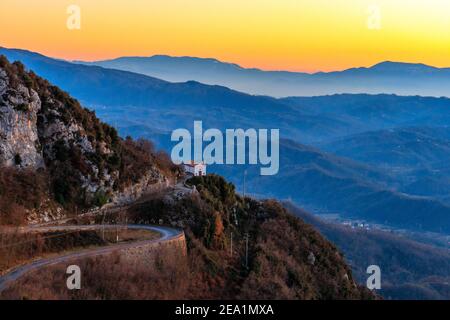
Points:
[298,35]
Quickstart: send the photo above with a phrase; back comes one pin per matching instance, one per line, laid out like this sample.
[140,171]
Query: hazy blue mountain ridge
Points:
[385,77]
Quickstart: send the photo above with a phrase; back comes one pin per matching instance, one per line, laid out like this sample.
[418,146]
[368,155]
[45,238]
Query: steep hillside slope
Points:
[418,156]
[237,248]
[47,134]
[403,147]
[410,270]
[287,259]
[326,183]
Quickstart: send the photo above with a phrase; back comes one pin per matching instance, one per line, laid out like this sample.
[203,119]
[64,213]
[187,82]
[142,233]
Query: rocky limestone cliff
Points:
[19,141]
[150,182]
[43,128]
[37,130]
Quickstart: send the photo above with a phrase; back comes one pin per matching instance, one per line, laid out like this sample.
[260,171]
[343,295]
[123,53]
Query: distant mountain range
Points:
[353,183]
[385,77]
[96,85]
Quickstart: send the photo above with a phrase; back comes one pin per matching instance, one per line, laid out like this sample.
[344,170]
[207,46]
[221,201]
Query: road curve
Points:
[167,234]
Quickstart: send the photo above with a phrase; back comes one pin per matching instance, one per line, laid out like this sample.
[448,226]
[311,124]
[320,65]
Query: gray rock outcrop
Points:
[19,141]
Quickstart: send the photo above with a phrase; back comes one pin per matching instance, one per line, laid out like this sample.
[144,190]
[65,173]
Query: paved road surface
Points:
[166,235]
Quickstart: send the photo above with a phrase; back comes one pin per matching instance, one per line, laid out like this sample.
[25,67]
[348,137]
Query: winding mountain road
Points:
[167,234]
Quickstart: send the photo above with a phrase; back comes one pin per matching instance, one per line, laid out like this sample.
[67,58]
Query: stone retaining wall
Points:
[146,253]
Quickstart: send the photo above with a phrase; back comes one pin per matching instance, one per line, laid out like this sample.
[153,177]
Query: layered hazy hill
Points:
[411,270]
[96,85]
[325,183]
[145,106]
[422,147]
[418,156]
[385,77]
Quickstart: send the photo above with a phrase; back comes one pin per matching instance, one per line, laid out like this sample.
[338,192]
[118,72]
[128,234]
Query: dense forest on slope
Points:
[287,259]
[410,269]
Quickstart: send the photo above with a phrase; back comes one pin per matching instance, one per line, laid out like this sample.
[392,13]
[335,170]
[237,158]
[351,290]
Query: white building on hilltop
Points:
[196,169]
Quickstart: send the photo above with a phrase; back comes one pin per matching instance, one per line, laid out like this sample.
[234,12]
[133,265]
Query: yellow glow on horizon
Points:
[303,35]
